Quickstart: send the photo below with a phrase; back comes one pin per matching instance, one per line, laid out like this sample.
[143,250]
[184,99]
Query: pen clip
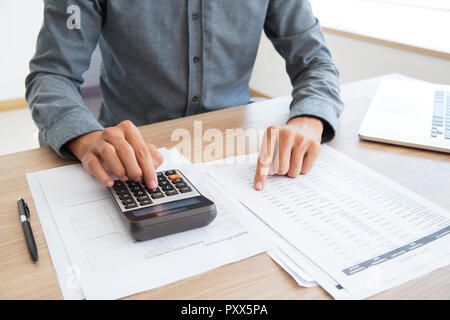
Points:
[27,210]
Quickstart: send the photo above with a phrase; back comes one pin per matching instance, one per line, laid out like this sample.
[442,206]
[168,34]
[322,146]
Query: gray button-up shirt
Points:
[165,59]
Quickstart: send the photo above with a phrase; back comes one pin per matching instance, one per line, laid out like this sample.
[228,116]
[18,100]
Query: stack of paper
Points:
[94,255]
[343,225]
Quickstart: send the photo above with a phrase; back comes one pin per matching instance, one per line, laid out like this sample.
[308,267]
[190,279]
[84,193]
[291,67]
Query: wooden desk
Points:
[425,172]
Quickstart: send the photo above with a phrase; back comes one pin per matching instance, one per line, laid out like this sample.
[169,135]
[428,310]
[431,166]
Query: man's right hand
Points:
[120,150]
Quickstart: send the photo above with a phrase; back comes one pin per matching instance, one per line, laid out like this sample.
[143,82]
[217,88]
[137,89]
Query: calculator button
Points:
[139,193]
[157,195]
[167,188]
[145,202]
[169,172]
[181,185]
[163,183]
[177,181]
[125,196]
[122,191]
[173,176]
[151,191]
[131,205]
[142,198]
[185,189]
[118,185]
[136,188]
[127,201]
[171,192]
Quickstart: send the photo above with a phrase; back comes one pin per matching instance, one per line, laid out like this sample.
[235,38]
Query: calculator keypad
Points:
[172,186]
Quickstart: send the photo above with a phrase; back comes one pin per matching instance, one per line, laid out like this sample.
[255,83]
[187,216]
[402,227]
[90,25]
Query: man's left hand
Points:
[289,150]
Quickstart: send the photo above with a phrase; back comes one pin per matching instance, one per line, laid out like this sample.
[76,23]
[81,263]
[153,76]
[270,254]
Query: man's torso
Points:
[167,59]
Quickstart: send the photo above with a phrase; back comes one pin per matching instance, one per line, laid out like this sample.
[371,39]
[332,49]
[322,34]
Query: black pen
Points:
[24,214]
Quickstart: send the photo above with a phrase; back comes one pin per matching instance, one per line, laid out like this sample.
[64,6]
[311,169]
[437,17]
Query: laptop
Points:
[409,113]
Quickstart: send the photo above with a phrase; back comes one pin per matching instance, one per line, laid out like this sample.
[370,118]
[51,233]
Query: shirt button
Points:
[194,16]
[195,99]
[196,59]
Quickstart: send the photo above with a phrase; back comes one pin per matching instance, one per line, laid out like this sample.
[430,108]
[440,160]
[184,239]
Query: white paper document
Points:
[305,272]
[96,251]
[65,271]
[362,230]
[282,252]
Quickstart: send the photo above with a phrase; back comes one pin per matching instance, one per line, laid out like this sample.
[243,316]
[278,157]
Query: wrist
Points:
[80,145]
[307,123]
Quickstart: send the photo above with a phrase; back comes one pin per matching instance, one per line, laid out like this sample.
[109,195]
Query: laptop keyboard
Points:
[440,125]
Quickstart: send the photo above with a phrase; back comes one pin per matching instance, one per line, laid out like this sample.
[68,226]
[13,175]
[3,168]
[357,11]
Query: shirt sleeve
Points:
[62,55]
[296,35]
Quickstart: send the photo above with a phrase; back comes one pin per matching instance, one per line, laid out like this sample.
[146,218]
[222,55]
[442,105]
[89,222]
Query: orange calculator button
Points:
[174,176]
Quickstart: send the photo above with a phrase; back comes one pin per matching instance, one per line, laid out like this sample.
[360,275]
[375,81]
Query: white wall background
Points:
[20,21]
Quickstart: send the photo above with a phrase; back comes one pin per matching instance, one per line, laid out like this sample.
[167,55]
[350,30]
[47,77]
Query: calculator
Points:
[174,206]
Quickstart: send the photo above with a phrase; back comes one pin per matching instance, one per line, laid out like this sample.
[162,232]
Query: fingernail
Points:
[258,185]
[138,179]
[124,178]
[109,183]
[153,185]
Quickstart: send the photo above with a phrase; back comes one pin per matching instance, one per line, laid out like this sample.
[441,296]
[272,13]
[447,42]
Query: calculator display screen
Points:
[162,208]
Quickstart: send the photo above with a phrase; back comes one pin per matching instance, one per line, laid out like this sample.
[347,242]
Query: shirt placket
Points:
[195,56]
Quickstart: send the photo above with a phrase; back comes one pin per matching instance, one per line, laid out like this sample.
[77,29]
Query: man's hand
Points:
[120,150]
[291,149]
